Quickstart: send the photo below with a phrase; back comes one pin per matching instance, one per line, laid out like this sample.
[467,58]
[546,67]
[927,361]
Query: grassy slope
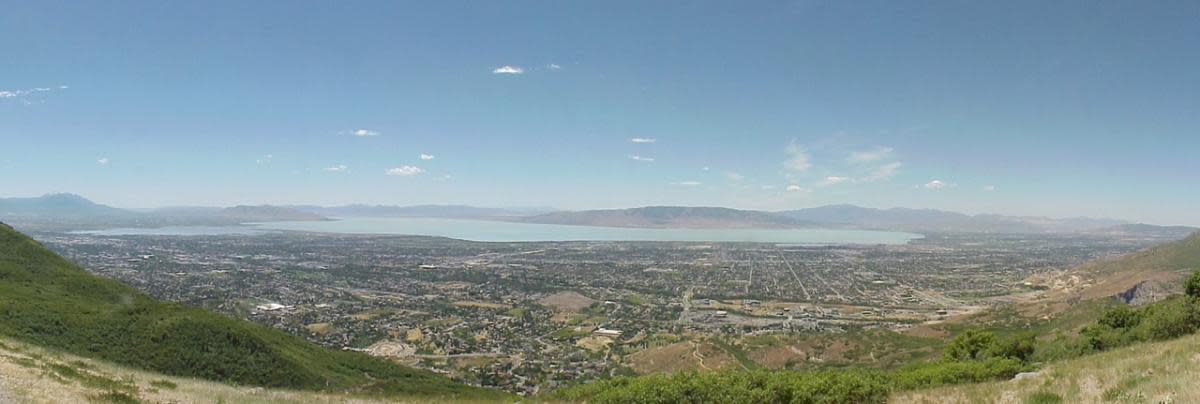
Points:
[48,301]
[1166,263]
[1154,372]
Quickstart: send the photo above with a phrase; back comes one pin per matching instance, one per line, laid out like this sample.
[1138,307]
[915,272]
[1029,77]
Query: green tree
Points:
[1120,317]
[1193,285]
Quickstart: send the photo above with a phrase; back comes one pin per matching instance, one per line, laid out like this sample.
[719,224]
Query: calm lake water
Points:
[482,230]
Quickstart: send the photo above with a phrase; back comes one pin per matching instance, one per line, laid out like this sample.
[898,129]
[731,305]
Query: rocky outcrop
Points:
[1145,292]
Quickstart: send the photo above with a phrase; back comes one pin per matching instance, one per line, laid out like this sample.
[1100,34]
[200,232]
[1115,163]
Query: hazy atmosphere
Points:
[1026,108]
[654,202]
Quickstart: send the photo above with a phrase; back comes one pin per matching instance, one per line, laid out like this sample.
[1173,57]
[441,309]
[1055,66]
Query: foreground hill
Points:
[670,216]
[48,301]
[1136,278]
[31,374]
[1161,372]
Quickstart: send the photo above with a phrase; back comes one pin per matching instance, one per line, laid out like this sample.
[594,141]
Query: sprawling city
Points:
[559,202]
[527,317]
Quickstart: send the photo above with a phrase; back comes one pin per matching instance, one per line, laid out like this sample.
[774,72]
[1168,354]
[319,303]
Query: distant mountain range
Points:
[671,216]
[266,213]
[63,206]
[851,217]
[443,211]
[943,221]
[69,211]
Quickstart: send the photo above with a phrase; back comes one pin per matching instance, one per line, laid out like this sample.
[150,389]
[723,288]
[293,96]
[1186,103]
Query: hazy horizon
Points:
[555,209]
[1070,109]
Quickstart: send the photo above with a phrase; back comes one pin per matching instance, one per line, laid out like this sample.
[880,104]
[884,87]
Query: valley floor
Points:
[1164,372]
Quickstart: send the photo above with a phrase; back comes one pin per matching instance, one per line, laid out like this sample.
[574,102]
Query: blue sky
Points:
[1040,108]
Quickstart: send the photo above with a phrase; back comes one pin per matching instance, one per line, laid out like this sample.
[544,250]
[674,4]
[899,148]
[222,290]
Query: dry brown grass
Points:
[569,301]
[680,356]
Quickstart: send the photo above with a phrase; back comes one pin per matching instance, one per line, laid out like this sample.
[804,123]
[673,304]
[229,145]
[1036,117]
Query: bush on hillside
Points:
[736,387]
[1192,286]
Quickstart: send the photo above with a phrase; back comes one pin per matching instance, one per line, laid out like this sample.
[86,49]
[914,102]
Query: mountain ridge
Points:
[670,217]
[71,211]
[61,211]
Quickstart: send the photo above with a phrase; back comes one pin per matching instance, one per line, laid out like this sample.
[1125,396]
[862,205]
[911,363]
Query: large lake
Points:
[482,230]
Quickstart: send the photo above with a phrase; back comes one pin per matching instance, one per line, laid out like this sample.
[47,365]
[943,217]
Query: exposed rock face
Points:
[1026,375]
[1143,293]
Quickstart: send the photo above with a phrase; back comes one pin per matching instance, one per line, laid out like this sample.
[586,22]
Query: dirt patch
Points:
[594,344]
[777,357]
[319,328]
[567,301]
[926,331]
[678,357]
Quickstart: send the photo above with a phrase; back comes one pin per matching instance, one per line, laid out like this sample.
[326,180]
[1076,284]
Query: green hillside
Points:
[1162,264]
[50,302]
[1160,372]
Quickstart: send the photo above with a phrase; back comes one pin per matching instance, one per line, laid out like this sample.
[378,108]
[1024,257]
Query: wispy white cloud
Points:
[884,172]
[264,159]
[336,168]
[937,184]
[426,156]
[102,161]
[642,140]
[553,66]
[405,171]
[687,183]
[16,94]
[364,133]
[732,176]
[798,161]
[989,188]
[833,180]
[867,156]
[508,70]
[635,157]
[796,188]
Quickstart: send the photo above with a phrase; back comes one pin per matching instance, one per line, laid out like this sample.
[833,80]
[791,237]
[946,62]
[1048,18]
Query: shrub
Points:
[736,387]
[1020,347]
[970,345]
[1120,316]
[1192,287]
[943,373]
[1169,319]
